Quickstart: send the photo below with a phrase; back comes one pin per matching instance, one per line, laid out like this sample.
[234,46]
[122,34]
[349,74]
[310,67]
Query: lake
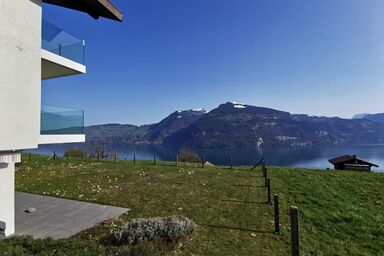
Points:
[306,157]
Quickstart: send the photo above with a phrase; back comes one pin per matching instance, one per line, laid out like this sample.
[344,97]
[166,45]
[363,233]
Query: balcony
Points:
[61,125]
[62,54]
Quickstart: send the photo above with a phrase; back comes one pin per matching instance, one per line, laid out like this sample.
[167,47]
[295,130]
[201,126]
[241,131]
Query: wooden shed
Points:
[348,162]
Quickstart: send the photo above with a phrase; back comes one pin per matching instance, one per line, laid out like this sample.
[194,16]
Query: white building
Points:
[32,50]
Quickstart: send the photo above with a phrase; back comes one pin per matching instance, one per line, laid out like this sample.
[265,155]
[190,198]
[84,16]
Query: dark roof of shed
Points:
[95,8]
[340,159]
[346,158]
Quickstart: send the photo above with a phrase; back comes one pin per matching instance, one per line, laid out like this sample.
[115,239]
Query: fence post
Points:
[67,153]
[277,213]
[115,157]
[231,162]
[269,190]
[177,159]
[265,173]
[134,159]
[202,161]
[295,248]
[98,156]
[154,159]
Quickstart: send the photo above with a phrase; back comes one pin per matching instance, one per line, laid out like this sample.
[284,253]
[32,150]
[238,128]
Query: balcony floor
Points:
[61,138]
[53,66]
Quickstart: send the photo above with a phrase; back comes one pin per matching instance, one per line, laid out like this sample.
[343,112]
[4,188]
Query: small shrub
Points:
[75,152]
[189,156]
[170,229]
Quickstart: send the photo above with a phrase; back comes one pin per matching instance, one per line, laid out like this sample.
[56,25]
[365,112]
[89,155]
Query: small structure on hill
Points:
[348,162]
[209,164]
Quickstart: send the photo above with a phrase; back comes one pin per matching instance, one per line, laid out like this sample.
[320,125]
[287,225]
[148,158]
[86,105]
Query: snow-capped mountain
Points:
[379,118]
[236,124]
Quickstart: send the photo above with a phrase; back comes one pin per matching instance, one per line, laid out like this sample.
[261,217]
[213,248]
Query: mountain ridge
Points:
[234,124]
[379,117]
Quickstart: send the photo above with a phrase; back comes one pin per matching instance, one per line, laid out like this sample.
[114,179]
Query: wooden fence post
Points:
[265,173]
[177,159]
[134,159]
[202,161]
[231,162]
[115,157]
[269,190]
[67,153]
[277,213]
[154,159]
[295,247]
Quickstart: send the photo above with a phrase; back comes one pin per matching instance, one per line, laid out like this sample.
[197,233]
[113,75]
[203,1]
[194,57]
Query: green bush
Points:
[189,156]
[75,152]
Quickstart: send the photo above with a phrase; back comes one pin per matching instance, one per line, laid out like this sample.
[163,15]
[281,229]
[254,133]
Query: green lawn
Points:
[341,213]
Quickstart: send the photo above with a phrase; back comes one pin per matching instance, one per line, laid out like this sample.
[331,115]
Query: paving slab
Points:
[58,218]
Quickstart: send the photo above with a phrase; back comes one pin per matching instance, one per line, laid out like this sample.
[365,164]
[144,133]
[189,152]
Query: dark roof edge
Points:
[113,9]
[368,163]
[345,158]
[95,8]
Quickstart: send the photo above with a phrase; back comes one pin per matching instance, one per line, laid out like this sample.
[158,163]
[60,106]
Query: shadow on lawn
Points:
[248,186]
[239,228]
[243,202]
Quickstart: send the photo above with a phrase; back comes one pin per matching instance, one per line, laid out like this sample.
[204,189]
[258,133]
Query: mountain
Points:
[379,118]
[172,123]
[235,124]
[359,116]
[119,134]
[115,134]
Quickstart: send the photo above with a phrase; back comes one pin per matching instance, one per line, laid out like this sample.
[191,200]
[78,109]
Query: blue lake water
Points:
[306,157]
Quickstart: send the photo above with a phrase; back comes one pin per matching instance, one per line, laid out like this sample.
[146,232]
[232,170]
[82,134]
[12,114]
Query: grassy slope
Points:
[341,213]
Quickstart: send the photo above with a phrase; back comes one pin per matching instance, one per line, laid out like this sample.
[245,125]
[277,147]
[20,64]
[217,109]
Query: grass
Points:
[341,213]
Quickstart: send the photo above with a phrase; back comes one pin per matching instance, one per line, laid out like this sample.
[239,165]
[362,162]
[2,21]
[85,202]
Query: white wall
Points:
[20,73]
[7,196]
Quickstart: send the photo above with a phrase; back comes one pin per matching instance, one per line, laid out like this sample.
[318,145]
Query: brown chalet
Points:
[348,162]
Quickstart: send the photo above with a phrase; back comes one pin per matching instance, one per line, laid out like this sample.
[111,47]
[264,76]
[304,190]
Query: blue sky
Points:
[319,57]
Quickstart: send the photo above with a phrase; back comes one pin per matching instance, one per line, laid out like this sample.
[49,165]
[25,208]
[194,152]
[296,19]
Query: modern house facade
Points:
[32,50]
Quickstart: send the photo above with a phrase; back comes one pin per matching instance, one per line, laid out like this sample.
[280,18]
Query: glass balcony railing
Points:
[57,41]
[57,120]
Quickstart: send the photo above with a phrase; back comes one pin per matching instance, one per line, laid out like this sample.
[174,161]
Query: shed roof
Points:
[340,159]
[346,158]
[95,8]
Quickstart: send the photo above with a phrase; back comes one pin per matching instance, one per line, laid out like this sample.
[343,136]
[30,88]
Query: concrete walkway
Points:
[58,218]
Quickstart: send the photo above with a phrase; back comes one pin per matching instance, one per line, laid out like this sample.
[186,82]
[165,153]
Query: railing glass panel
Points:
[57,41]
[58,120]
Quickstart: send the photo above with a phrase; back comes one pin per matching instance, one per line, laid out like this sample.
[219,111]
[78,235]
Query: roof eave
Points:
[95,8]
